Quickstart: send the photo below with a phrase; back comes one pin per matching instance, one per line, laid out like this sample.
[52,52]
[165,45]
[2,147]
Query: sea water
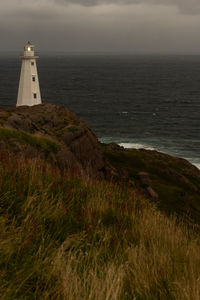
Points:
[150,102]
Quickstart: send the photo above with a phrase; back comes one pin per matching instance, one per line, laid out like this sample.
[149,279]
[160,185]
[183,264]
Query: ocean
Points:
[150,102]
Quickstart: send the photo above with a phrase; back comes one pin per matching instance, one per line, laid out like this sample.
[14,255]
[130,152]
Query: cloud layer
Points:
[137,26]
[186,6]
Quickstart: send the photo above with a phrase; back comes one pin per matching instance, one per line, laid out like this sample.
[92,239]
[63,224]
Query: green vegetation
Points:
[26,139]
[177,185]
[70,238]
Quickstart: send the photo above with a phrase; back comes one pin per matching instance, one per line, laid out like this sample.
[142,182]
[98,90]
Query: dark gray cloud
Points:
[97,2]
[186,6]
[101,25]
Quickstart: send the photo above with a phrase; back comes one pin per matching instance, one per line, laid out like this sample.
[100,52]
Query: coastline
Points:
[139,144]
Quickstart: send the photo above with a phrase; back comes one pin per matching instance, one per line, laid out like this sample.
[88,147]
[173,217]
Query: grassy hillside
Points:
[175,180]
[23,140]
[70,238]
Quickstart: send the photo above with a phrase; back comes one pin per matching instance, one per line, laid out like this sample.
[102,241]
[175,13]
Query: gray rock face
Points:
[79,146]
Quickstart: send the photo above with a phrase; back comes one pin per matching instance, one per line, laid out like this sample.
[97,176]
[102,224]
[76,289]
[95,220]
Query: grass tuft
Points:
[23,138]
[71,238]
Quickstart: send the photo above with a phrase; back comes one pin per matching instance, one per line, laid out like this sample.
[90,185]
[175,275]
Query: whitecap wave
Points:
[147,147]
[136,146]
[196,165]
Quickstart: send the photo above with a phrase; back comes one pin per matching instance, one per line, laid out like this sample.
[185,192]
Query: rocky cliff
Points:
[57,135]
[173,183]
[52,132]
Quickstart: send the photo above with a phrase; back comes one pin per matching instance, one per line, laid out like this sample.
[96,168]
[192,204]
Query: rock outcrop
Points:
[57,135]
[173,183]
[77,146]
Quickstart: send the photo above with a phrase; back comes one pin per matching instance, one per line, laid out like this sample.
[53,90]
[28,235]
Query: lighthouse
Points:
[29,88]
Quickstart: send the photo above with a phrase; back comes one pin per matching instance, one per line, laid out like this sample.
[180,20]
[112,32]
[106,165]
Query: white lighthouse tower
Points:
[29,88]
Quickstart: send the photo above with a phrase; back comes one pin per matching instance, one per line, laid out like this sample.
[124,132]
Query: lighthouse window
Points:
[32,63]
[33,78]
[35,96]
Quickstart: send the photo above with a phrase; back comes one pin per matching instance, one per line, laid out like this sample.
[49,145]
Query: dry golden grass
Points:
[68,238]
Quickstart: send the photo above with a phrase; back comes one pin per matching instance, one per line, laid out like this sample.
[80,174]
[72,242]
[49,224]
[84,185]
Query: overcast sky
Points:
[136,26]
